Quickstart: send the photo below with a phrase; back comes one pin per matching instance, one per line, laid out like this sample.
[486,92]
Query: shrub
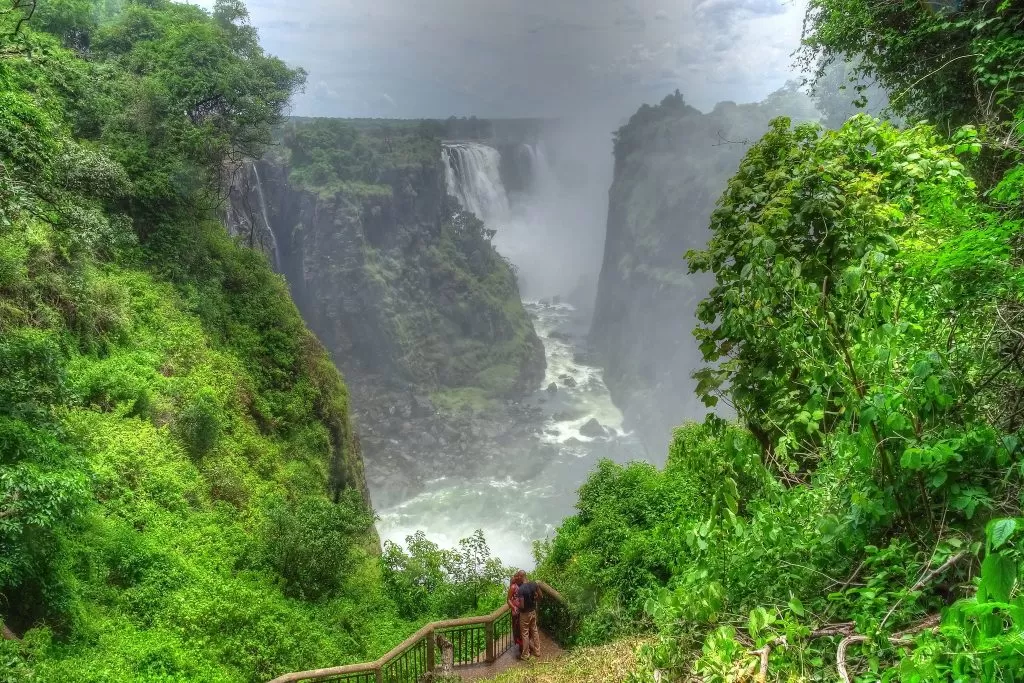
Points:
[200,422]
[311,543]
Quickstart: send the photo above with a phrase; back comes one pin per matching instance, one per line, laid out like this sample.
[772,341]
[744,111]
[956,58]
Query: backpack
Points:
[527,595]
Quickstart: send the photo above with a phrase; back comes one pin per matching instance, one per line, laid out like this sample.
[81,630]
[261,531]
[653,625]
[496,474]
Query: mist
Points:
[555,233]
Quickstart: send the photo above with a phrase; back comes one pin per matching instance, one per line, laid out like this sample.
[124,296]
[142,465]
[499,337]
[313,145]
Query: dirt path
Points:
[549,650]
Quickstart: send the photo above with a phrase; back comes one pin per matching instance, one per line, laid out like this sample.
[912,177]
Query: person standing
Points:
[528,596]
[512,600]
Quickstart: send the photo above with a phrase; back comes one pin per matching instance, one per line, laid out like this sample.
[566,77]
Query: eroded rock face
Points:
[404,449]
[410,298]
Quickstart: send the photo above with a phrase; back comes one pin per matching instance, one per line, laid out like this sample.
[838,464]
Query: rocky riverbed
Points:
[407,440]
[512,471]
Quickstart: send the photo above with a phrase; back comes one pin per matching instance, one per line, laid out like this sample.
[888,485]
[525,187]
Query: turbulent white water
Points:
[266,221]
[511,511]
[473,175]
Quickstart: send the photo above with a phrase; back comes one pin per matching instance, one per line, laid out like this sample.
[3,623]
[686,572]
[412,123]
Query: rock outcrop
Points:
[403,288]
[671,164]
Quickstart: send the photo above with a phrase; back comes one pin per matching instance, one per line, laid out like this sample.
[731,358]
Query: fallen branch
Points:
[841,655]
[765,652]
[845,629]
[7,633]
[900,638]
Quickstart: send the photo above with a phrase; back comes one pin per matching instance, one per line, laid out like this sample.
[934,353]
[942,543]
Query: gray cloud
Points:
[527,57]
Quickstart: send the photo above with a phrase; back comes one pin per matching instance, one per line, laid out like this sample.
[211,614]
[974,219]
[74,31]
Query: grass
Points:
[604,663]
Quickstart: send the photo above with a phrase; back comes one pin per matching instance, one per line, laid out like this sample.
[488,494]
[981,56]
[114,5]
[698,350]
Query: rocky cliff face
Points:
[671,164]
[415,305]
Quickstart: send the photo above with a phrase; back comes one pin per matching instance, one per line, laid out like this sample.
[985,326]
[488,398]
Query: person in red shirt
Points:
[513,603]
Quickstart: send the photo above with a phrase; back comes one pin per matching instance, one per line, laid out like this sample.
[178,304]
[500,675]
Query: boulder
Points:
[592,428]
[552,388]
[421,406]
[569,382]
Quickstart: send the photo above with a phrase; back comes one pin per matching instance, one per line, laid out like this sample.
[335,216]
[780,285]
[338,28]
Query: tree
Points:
[205,96]
[952,63]
[832,304]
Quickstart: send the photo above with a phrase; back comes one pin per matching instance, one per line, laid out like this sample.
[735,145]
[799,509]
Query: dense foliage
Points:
[862,518]
[952,62]
[181,492]
[332,155]
[427,579]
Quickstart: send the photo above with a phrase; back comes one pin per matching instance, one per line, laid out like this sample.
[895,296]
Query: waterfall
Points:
[542,177]
[266,221]
[473,175]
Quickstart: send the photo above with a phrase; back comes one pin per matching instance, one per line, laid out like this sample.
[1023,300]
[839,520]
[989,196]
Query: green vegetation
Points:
[181,492]
[462,321]
[862,517]
[336,155]
[444,583]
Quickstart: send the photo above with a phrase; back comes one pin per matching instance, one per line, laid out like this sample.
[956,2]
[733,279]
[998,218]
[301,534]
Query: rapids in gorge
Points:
[577,422]
[514,507]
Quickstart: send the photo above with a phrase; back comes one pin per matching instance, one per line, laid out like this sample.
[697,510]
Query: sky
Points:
[526,58]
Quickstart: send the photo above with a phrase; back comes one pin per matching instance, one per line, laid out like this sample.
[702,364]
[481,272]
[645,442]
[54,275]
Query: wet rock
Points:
[568,381]
[584,357]
[573,441]
[421,406]
[561,336]
[552,388]
[592,428]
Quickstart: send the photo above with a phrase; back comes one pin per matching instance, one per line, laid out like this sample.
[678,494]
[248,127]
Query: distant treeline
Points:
[452,128]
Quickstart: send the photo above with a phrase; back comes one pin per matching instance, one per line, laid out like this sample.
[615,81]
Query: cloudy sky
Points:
[490,58]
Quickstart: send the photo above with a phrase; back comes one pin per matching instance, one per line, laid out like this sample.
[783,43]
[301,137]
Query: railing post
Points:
[489,630]
[378,674]
[430,651]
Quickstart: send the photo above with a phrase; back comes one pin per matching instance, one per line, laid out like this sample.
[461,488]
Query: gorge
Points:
[488,412]
[452,442]
[532,320]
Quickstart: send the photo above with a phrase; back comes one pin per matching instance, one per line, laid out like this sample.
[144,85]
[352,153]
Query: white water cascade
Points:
[473,174]
[542,178]
[266,221]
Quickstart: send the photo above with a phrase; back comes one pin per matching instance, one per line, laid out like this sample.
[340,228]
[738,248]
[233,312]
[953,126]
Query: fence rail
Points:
[437,647]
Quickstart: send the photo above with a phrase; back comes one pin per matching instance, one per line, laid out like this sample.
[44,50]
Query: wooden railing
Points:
[438,647]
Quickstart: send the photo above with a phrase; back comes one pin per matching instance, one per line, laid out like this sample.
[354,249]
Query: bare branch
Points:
[900,638]
[926,579]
